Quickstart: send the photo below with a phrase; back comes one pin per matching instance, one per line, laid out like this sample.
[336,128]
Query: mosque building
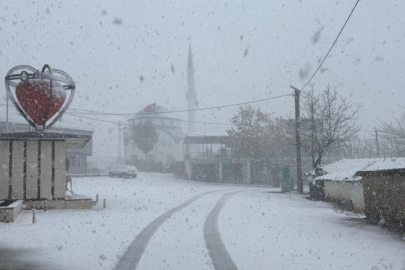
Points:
[169,148]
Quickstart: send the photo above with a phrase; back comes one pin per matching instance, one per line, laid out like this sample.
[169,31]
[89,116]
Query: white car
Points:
[123,171]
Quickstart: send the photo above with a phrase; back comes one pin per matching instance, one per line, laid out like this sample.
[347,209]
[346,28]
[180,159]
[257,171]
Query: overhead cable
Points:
[330,49]
[180,111]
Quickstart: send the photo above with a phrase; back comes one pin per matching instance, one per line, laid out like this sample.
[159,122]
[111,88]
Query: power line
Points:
[341,30]
[152,113]
[123,124]
[180,111]
[96,119]
[113,122]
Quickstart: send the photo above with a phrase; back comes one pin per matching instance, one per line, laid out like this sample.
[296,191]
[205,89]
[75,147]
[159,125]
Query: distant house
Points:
[77,157]
[340,182]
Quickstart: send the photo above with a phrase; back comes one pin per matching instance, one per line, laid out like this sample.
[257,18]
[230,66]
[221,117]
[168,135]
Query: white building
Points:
[169,147]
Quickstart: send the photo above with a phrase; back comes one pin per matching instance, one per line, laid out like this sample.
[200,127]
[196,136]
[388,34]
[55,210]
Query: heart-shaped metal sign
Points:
[39,96]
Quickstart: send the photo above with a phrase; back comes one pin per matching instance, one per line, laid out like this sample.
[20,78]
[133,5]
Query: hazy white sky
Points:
[243,50]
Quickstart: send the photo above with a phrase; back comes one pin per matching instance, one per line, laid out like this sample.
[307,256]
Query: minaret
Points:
[191,95]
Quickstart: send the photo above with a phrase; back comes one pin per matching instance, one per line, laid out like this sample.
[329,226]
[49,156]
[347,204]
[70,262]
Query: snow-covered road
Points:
[159,222]
[132,256]
[219,254]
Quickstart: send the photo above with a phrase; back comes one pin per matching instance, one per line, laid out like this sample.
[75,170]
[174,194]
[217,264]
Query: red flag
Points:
[150,108]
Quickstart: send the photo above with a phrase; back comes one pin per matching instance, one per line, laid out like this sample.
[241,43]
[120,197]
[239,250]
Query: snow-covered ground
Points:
[277,231]
[260,230]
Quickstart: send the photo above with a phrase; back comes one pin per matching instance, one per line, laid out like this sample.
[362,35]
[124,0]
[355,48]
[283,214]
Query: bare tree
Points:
[248,133]
[330,122]
[145,136]
[393,137]
[360,148]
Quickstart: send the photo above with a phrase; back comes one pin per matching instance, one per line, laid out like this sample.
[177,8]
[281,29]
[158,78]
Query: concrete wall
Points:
[79,203]
[32,170]
[215,171]
[350,193]
[4,169]
[385,197]
[11,212]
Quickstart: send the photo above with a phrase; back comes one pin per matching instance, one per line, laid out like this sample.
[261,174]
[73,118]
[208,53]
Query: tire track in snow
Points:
[132,255]
[216,248]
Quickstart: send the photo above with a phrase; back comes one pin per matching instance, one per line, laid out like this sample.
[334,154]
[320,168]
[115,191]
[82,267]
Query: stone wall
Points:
[384,198]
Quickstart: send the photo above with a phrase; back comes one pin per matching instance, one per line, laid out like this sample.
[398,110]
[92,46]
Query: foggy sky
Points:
[243,50]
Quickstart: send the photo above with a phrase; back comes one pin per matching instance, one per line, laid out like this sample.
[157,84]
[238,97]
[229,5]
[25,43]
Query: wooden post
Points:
[300,187]
[96,197]
[104,203]
[45,206]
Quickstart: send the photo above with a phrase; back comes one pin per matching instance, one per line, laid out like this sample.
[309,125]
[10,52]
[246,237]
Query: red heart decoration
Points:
[33,96]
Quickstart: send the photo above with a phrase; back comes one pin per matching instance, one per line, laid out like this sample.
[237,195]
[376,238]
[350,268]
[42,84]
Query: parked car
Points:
[123,171]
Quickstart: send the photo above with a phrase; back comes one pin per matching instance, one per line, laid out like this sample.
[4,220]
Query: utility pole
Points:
[300,187]
[312,133]
[376,141]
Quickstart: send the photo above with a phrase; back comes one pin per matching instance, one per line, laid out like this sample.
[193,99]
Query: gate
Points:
[286,185]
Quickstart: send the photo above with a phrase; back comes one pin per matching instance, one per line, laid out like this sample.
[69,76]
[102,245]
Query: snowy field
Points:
[259,229]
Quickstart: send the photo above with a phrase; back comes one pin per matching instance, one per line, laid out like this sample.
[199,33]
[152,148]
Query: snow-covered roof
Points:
[158,112]
[346,169]
[206,134]
[386,164]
